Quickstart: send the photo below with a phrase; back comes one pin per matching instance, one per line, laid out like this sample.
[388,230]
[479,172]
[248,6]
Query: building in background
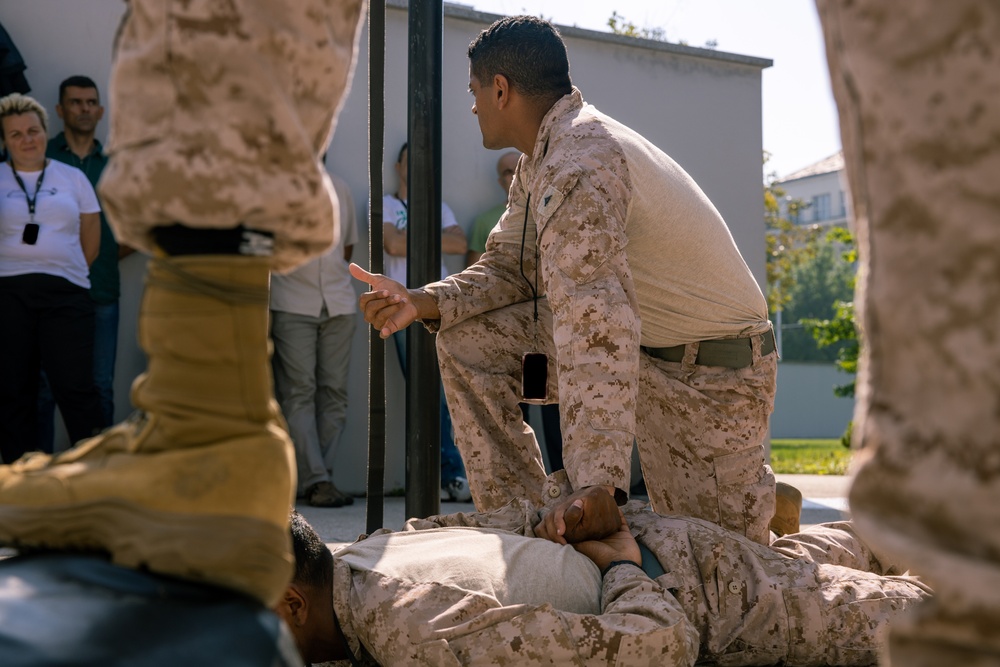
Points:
[822,188]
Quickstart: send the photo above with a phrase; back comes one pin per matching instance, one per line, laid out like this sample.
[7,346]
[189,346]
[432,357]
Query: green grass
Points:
[811,457]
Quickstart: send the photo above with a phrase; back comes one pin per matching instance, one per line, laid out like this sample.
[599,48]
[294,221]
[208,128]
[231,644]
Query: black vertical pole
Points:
[423,253]
[374,508]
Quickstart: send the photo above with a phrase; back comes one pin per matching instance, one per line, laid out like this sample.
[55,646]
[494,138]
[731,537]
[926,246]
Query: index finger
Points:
[362,275]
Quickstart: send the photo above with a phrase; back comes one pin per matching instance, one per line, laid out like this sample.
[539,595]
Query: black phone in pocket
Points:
[30,235]
[535,376]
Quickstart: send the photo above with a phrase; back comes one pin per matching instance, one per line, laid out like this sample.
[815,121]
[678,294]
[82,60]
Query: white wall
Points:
[805,406]
[701,107]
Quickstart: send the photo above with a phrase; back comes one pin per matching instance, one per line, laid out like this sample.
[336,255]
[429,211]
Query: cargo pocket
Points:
[739,479]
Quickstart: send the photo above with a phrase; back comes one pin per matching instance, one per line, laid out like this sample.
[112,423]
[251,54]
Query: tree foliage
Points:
[809,270]
[818,284]
[789,245]
[621,26]
[840,329]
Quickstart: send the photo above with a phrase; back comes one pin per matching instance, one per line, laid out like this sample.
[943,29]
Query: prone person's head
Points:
[307,605]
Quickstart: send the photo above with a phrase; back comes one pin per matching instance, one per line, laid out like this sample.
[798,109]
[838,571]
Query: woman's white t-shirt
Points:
[65,194]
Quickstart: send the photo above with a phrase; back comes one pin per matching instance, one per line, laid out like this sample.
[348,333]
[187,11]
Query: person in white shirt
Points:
[49,235]
[454,485]
[313,312]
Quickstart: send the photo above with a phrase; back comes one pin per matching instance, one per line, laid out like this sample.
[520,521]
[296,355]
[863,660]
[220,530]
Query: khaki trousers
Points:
[700,429]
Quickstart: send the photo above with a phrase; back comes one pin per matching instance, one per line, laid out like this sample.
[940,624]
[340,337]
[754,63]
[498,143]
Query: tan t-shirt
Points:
[511,568]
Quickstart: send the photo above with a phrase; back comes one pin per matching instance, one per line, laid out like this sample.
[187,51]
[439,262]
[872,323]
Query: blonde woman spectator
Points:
[49,235]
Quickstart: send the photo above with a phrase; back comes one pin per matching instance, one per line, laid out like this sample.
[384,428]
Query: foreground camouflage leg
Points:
[221,111]
[917,84]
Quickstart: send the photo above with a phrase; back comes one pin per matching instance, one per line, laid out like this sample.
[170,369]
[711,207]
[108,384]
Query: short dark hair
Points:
[402,150]
[313,560]
[77,81]
[528,51]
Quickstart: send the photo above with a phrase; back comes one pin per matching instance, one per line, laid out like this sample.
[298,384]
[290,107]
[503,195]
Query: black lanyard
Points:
[524,233]
[38,186]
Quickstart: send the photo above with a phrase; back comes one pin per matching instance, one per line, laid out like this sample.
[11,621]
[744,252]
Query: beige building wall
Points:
[702,107]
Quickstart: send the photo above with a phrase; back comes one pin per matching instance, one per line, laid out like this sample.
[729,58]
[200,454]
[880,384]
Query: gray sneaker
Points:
[457,490]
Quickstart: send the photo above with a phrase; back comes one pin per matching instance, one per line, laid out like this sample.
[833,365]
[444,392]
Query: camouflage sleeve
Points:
[642,624]
[595,320]
[496,280]
[413,623]
[517,516]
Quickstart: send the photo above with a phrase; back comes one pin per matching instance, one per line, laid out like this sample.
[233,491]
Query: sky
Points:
[799,114]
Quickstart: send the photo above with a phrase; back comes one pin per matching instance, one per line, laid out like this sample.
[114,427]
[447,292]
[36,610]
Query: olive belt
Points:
[727,352]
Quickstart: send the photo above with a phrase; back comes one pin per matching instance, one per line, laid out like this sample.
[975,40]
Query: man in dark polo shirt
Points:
[80,110]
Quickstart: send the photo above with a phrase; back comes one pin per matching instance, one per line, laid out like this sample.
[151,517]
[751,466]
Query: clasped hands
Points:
[591,521]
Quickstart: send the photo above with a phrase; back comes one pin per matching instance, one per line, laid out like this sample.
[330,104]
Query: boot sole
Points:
[229,551]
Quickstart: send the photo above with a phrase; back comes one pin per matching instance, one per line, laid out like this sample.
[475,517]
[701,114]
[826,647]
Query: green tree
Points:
[840,329]
[621,26]
[809,268]
[823,279]
[789,245]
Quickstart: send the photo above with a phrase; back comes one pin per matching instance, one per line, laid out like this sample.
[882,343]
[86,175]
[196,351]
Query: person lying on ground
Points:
[479,589]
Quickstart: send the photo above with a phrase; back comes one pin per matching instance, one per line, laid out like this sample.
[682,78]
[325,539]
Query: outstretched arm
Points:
[390,307]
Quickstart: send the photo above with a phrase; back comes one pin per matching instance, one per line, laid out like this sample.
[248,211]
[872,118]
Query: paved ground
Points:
[825,499]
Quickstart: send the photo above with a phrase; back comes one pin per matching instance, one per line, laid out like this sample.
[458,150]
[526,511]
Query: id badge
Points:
[30,234]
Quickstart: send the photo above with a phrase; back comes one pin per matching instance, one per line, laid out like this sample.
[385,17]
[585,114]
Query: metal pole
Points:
[423,252]
[374,508]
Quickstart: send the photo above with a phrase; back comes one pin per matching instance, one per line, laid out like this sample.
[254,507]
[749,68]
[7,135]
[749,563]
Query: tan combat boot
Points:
[787,509]
[198,484]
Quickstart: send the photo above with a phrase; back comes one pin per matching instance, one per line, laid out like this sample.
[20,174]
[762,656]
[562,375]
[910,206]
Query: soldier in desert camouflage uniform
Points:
[686,591]
[654,327]
[917,84]
[220,113]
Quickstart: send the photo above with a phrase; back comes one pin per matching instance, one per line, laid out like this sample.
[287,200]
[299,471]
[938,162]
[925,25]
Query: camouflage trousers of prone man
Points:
[700,430]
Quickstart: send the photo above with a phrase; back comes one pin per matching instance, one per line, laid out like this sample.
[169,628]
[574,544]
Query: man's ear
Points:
[59,110]
[501,89]
[294,606]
